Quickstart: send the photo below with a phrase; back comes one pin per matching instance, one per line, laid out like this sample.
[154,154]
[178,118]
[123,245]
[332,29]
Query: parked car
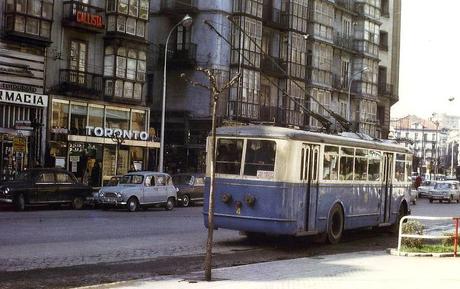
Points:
[94,200]
[413,196]
[140,190]
[425,188]
[190,188]
[446,190]
[44,187]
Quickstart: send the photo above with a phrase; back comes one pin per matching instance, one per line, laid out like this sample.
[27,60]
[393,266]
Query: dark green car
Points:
[44,187]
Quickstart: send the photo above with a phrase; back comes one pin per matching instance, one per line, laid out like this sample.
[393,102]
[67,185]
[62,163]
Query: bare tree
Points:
[215,91]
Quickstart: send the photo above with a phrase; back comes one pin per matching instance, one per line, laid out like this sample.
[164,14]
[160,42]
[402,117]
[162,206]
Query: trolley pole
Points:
[215,93]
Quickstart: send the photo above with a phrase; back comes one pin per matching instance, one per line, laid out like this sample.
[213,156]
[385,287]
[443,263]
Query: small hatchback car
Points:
[140,190]
[191,188]
[445,190]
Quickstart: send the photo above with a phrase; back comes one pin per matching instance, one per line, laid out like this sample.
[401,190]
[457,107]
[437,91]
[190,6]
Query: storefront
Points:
[22,131]
[96,141]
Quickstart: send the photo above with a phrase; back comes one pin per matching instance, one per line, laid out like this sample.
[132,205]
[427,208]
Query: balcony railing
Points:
[345,4]
[84,16]
[179,6]
[343,41]
[385,89]
[275,17]
[267,113]
[85,84]
[339,82]
[273,66]
[181,55]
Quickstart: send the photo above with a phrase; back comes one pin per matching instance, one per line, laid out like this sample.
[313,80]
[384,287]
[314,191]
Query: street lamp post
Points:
[349,90]
[186,22]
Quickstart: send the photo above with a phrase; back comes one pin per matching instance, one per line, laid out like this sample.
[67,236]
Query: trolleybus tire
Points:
[394,229]
[335,224]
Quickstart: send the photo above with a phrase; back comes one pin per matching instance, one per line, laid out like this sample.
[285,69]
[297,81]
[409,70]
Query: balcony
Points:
[343,41]
[275,17]
[83,16]
[28,29]
[267,113]
[80,83]
[345,4]
[339,82]
[385,89]
[178,7]
[273,66]
[181,55]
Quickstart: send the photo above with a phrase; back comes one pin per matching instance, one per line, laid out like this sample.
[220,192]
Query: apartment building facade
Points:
[427,139]
[25,34]
[297,59]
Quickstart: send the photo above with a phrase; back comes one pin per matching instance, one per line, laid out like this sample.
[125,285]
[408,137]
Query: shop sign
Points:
[89,19]
[117,133]
[19,144]
[24,98]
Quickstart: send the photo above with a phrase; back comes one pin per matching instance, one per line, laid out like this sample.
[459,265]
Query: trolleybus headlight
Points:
[250,200]
[226,198]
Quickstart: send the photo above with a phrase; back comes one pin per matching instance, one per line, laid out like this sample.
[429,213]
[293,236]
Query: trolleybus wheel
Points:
[335,225]
[394,229]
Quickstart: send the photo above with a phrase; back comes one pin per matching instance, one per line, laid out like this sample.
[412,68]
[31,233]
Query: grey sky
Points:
[430,58]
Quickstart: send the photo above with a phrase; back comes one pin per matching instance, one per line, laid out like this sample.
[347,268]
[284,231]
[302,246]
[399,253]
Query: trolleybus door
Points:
[387,186]
[309,177]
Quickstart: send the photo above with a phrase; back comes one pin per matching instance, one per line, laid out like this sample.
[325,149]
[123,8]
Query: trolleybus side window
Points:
[361,165]
[400,167]
[260,157]
[346,163]
[374,165]
[408,168]
[331,163]
[229,152]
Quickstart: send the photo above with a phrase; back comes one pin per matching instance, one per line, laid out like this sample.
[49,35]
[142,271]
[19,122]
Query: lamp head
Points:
[187,21]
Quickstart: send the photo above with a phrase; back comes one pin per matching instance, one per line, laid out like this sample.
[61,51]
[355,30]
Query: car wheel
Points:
[132,204]
[335,225]
[20,203]
[431,200]
[186,201]
[451,198]
[77,203]
[169,204]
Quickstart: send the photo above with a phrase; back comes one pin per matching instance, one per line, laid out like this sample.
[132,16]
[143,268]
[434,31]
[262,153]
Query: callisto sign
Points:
[24,98]
[117,133]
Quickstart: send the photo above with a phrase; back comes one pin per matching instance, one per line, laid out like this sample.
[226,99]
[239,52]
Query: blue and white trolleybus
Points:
[284,181]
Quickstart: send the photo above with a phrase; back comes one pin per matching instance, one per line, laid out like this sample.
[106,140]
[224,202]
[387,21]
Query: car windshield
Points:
[24,176]
[113,182]
[132,179]
[183,180]
[442,186]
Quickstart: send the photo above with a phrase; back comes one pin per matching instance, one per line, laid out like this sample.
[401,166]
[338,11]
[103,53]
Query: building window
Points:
[130,69]
[77,60]
[138,120]
[130,16]
[34,19]
[383,41]
[78,114]
[117,118]
[60,115]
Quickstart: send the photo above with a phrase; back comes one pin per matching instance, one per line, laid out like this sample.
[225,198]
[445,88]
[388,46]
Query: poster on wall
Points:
[137,165]
[60,162]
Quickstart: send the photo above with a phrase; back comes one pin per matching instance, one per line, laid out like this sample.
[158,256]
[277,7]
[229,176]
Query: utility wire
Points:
[343,122]
[324,121]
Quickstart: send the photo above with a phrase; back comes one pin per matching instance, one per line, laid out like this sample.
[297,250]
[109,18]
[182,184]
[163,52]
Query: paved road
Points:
[59,238]
[56,238]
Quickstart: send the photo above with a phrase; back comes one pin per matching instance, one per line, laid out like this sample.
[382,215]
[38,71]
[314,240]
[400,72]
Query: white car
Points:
[445,191]
[425,188]
[140,190]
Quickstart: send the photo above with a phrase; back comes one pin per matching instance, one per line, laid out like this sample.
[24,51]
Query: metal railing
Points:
[179,6]
[275,17]
[74,81]
[429,237]
[180,54]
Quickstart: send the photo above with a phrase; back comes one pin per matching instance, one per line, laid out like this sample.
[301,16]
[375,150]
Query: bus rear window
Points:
[260,157]
[229,152]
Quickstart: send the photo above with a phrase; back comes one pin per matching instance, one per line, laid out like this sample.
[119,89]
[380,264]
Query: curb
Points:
[395,252]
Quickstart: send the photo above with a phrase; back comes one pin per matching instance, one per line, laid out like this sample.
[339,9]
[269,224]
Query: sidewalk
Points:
[363,270]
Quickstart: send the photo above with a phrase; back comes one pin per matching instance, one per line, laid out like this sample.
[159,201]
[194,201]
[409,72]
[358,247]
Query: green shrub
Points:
[413,228]
[450,240]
